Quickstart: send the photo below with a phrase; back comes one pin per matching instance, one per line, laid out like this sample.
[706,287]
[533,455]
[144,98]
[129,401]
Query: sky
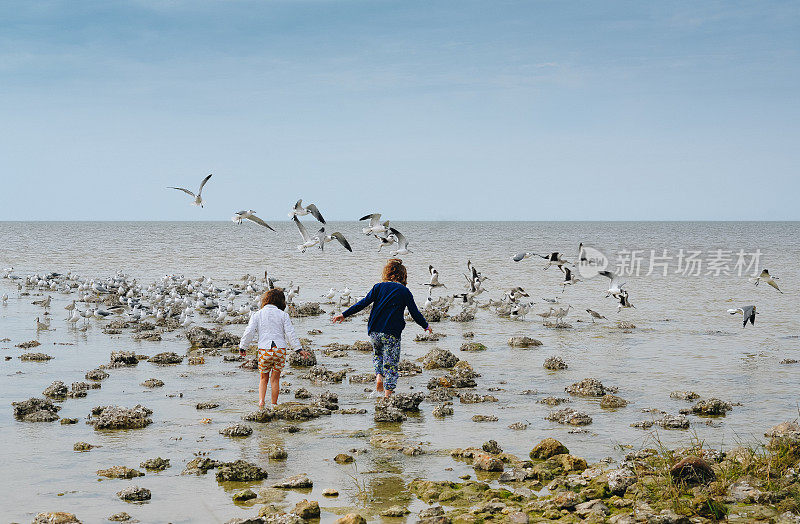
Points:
[420,110]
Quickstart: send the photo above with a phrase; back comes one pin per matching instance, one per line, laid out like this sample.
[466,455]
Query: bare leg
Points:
[276,387]
[379,383]
[262,389]
[388,393]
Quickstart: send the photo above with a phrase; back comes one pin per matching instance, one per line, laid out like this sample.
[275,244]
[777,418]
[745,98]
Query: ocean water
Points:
[683,340]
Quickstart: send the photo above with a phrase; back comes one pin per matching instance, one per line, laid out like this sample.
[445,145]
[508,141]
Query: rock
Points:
[406,368]
[588,387]
[244,495]
[200,465]
[789,361]
[80,389]
[168,357]
[351,518]
[152,383]
[35,410]
[314,332]
[55,517]
[309,309]
[442,410]
[237,430]
[261,415]
[554,363]
[278,453]
[330,492]
[362,378]
[200,337]
[565,500]
[439,359]
[673,422]
[472,346]
[684,395]
[155,464]
[57,390]
[406,401]
[547,448]
[343,458]
[298,411]
[486,462]
[304,359]
[307,509]
[484,418]
[300,481]
[433,315]
[322,374]
[440,395]
[197,361]
[612,402]
[134,494]
[429,337]
[569,416]
[328,400]
[119,472]
[35,357]
[552,401]
[120,517]
[68,421]
[783,435]
[591,507]
[692,470]
[96,374]
[742,491]
[206,405]
[385,412]
[518,517]
[465,315]
[117,417]
[518,426]
[362,345]
[468,334]
[123,359]
[492,447]
[239,471]
[470,397]
[29,344]
[149,337]
[395,511]
[523,342]
[712,407]
[82,446]
[303,393]
[619,480]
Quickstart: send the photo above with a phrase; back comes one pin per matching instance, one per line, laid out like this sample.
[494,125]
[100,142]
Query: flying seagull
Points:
[402,243]
[198,199]
[615,288]
[249,215]
[554,259]
[522,256]
[299,210]
[748,313]
[375,224]
[386,240]
[766,277]
[624,302]
[308,240]
[329,238]
[569,279]
[434,278]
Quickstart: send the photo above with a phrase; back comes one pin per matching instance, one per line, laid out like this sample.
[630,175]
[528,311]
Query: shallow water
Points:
[683,339]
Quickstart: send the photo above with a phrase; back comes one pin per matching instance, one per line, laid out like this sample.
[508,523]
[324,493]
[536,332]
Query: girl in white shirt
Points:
[272,326]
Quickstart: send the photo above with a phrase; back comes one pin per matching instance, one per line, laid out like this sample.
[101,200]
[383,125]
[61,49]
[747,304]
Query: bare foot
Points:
[379,384]
[261,405]
[388,393]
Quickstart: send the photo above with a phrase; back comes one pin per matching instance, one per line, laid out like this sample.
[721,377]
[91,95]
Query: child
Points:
[272,326]
[389,300]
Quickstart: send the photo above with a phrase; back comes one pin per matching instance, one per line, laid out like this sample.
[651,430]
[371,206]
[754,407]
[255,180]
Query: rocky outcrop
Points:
[120,359]
[523,342]
[120,472]
[472,346]
[439,359]
[155,464]
[57,390]
[200,337]
[117,417]
[35,410]
[569,416]
[96,374]
[134,494]
[309,309]
[165,358]
[236,430]
[239,471]
[302,359]
[554,363]
[547,448]
[612,402]
[588,387]
[300,481]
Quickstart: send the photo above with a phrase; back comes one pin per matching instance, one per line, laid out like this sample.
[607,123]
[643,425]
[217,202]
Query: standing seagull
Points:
[748,313]
[299,210]
[249,215]
[198,199]
[595,315]
[375,225]
[766,277]
[308,240]
[402,243]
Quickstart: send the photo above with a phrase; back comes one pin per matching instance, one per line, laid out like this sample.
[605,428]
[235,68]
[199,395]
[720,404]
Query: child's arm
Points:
[249,333]
[289,334]
[361,304]
[415,314]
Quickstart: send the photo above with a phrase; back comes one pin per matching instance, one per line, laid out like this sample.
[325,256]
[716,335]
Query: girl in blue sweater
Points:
[389,300]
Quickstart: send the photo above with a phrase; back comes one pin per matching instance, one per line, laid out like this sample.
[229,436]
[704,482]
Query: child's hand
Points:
[429,329]
[338,319]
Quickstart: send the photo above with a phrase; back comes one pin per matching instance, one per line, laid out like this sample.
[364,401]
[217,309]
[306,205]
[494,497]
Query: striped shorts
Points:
[269,359]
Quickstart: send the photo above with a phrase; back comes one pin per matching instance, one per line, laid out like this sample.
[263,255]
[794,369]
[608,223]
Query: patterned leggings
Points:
[385,357]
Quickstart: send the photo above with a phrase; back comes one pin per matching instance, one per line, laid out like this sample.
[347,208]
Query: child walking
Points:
[272,326]
[389,300]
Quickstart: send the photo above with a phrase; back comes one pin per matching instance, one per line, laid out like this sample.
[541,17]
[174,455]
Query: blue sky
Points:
[453,110]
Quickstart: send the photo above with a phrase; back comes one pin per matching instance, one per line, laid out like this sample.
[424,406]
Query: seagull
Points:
[375,225]
[569,279]
[595,315]
[323,239]
[582,254]
[766,277]
[299,211]
[249,215]
[198,199]
[560,313]
[522,256]
[553,300]
[546,314]
[40,326]
[615,288]
[329,295]
[519,311]
[554,258]
[748,313]
[5,298]
[402,243]
[386,240]
[434,278]
[308,240]
[624,302]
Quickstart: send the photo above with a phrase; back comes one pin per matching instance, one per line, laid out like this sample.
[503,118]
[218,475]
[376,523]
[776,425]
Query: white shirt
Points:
[269,324]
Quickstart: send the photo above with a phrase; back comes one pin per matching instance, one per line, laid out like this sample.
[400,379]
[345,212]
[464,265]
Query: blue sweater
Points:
[389,300]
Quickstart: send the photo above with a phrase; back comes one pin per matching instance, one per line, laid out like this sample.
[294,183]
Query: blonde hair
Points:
[395,271]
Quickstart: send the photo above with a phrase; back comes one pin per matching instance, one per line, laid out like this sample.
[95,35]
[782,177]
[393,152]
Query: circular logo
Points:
[590,262]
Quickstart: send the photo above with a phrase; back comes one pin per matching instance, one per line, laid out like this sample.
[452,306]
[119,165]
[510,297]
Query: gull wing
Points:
[343,241]
[260,222]
[302,229]
[298,206]
[311,208]
[519,257]
[401,239]
[202,184]
[773,284]
[373,218]
[184,190]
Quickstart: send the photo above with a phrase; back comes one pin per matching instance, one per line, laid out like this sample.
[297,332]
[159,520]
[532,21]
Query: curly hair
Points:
[274,297]
[395,271]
